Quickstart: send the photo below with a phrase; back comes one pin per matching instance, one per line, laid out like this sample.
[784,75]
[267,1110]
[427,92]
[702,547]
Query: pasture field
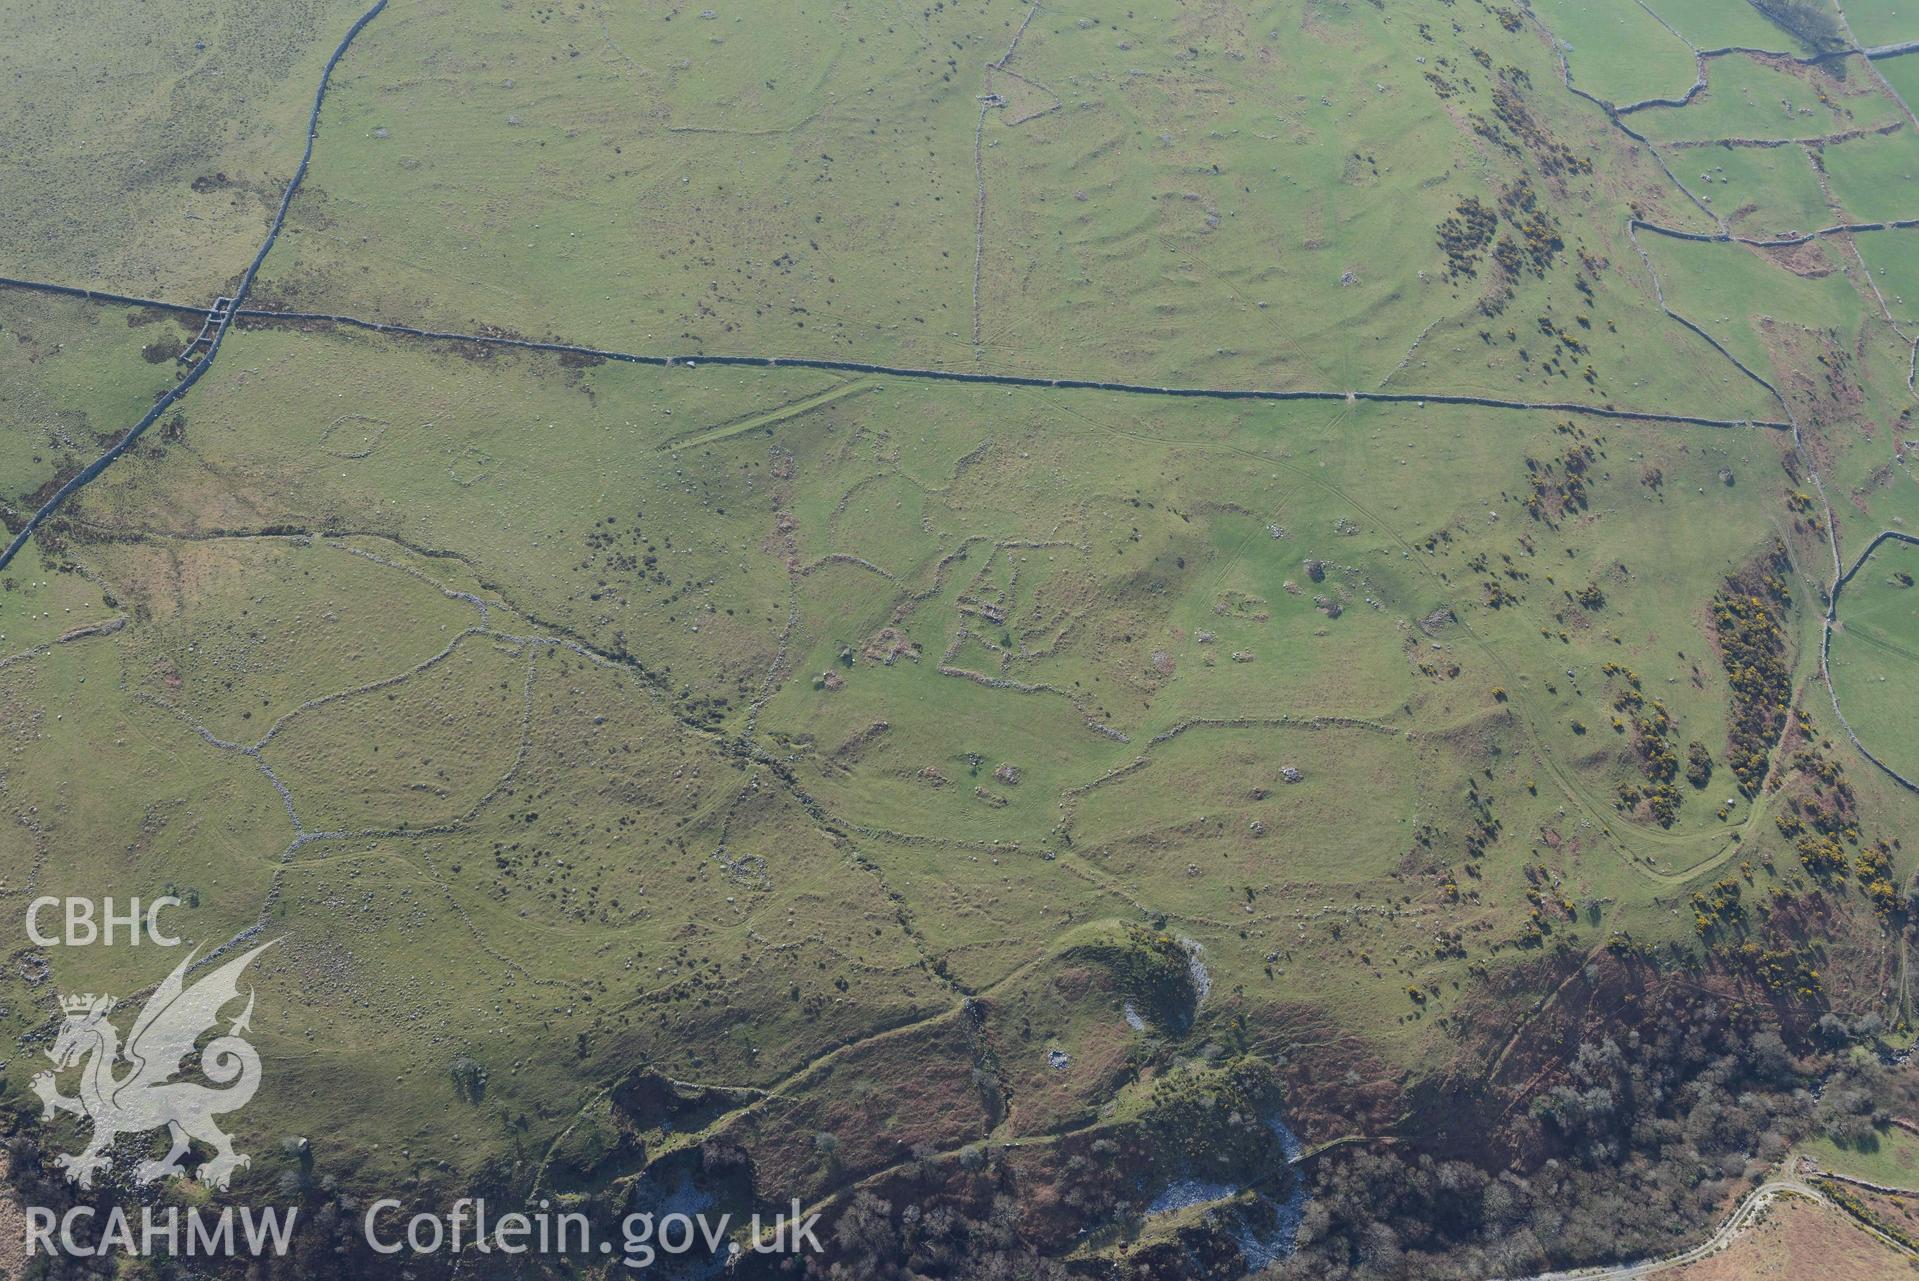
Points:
[1620,53]
[1773,98]
[1893,260]
[1882,22]
[1877,650]
[1741,295]
[677,783]
[1875,179]
[1707,24]
[1763,192]
[1902,74]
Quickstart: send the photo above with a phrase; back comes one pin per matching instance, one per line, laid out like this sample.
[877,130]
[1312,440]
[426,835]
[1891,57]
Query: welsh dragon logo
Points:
[145,1096]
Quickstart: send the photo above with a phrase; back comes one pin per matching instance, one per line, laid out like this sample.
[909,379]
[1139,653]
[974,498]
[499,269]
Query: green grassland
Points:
[73,375]
[1879,22]
[1890,1157]
[629,762]
[131,164]
[1739,294]
[1875,475]
[1875,179]
[1902,74]
[1761,192]
[1893,259]
[1135,598]
[1708,24]
[206,828]
[483,200]
[1876,650]
[1747,97]
[245,631]
[1620,52]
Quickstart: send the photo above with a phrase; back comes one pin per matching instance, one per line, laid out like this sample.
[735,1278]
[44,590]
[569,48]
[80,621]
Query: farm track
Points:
[1737,1222]
[753,422]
